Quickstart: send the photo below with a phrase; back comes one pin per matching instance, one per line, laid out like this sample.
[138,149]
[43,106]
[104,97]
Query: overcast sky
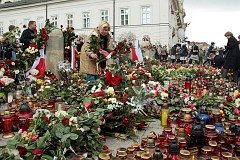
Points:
[210,19]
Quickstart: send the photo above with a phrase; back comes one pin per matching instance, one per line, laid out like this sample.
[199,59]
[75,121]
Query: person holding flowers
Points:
[95,47]
[28,35]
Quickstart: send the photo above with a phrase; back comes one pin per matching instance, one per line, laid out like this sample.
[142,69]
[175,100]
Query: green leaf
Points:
[12,142]
[96,102]
[46,157]
[40,143]
[65,137]
[86,128]
[87,99]
[73,136]
[31,147]
[59,134]
[47,135]
[159,102]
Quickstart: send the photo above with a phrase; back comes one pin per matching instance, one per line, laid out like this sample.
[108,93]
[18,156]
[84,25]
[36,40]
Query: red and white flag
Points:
[39,64]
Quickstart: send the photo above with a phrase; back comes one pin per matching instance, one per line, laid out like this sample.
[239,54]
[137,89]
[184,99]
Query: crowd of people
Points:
[227,58]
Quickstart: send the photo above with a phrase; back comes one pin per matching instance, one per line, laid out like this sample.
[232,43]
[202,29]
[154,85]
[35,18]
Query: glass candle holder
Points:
[206,152]
[164,116]
[130,150]
[193,153]
[214,146]
[7,125]
[103,156]
[22,124]
[184,155]
[226,155]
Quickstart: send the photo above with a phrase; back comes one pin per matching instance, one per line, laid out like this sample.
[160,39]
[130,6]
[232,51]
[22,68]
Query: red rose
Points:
[114,52]
[37,151]
[99,94]
[119,47]
[44,31]
[229,98]
[224,104]
[22,150]
[34,46]
[141,126]
[105,147]
[8,61]
[128,49]
[110,115]
[124,100]
[42,35]
[45,119]
[125,121]
[65,121]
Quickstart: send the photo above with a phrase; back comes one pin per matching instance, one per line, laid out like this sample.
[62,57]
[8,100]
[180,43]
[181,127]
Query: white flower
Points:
[93,89]
[36,50]
[144,85]
[29,48]
[16,71]
[164,95]
[110,106]
[2,69]
[47,86]
[110,90]
[237,102]
[113,100]
[13,63]
[186,99]
[73,120]
[58,113]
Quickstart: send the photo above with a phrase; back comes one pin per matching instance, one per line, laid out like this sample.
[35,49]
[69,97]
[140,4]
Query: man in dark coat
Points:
[232,58]
[28,35]
[218,60]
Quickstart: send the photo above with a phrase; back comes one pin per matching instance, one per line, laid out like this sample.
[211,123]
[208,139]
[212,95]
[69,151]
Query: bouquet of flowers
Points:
[42,37]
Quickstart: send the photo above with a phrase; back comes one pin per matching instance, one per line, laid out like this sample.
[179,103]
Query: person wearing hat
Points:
[217,60]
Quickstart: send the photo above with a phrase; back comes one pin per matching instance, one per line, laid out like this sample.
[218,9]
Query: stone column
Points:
[55,51]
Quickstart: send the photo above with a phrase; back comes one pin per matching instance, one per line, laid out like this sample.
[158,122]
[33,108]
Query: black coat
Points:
[26,37]
[232,59]
[218,61]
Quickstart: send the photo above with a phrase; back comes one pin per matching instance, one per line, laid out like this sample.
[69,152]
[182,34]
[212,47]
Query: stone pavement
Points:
[115,143]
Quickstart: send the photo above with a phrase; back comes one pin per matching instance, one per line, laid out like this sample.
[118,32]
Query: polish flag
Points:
[39,64]
[136,52]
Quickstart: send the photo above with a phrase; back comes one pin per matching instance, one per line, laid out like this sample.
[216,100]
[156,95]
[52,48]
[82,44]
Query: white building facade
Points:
[160,19]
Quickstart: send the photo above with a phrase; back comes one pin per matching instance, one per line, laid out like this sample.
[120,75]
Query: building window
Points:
[12,22]
[40,24]
[146,15]
[69,20]
[124,16]
[104,15]
[86,20]
[55,20]
[1,28]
